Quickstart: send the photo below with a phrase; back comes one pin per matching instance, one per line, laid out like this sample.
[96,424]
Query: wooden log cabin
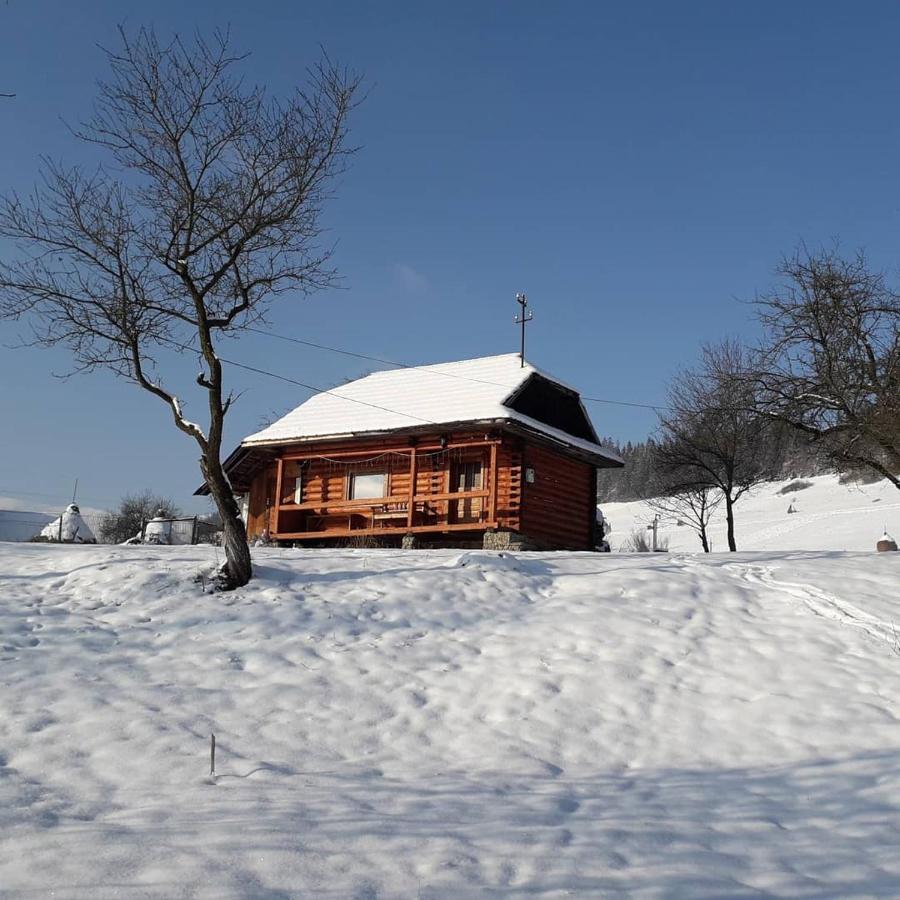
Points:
[483,452]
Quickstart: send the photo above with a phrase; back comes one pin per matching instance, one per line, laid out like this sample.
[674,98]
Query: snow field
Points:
[828,516]
[446,724]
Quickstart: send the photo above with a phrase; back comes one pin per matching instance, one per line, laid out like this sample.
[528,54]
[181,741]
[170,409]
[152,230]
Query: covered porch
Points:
[431,487]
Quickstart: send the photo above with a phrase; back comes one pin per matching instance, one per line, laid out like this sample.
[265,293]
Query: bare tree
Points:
[209,209]
[134,510]
[714,438]
[692,505]
[830,363]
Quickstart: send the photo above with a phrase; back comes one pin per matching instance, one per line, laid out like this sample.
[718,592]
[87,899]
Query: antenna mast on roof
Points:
[526,316]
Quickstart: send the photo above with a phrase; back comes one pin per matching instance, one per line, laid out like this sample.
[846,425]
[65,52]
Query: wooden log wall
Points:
[509,485]
[325,479]
[262,499]
[557,510]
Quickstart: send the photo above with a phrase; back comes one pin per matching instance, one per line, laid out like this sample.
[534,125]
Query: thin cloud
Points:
[410,280]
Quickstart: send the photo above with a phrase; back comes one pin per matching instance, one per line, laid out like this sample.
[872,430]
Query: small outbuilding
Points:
[482,452]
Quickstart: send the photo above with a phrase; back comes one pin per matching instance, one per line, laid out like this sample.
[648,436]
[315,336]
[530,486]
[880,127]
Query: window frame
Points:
[351,485]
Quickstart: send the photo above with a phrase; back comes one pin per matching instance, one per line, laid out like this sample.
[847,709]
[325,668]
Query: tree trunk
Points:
[703,539]
[729,516]
[238,567]
[237,550]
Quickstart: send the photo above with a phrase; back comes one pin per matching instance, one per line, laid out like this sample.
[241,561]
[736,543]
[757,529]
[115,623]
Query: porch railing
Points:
[387,515]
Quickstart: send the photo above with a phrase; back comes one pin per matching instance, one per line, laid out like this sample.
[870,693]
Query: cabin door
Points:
[467,477]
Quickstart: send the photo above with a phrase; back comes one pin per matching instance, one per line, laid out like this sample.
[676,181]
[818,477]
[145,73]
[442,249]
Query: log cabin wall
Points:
[558,508]
[262,498]
[509,484]
[556,511]
[324,478]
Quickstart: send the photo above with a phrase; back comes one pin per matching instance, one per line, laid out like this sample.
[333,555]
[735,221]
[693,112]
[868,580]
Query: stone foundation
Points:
[506,540]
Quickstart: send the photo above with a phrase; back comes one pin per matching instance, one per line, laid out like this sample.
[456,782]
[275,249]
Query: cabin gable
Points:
[552,404]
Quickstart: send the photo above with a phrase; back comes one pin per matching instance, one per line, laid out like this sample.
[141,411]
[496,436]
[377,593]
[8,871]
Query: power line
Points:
[293,340]
[309,387]
[400,365]
[655,408]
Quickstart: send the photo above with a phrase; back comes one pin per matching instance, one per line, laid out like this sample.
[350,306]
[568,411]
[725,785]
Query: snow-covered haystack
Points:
[69,528]
[159,529]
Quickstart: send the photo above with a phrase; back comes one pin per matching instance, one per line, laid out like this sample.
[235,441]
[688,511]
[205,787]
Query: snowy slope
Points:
[445,724]
[828,516]
[20,525]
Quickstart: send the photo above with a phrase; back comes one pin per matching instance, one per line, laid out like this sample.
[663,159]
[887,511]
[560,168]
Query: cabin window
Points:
[298,488]
[368,486]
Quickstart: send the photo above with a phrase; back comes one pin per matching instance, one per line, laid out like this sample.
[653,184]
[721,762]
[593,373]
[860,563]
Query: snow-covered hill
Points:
[20,525]
[827,515]
[444,724]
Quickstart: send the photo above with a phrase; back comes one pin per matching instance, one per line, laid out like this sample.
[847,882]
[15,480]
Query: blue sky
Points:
[635,168]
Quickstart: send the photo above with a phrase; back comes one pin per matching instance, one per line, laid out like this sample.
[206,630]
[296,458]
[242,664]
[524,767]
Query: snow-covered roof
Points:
[468,391]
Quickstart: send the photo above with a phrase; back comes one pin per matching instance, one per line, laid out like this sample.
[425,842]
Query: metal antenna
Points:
[526,316]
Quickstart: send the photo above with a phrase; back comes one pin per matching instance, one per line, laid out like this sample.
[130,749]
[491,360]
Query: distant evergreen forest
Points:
[796,458]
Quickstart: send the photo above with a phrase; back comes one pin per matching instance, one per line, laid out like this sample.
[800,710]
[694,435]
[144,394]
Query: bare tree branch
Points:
[208,207]
[830,362]
[715,439]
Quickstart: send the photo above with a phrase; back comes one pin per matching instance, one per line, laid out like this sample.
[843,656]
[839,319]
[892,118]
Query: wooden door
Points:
[467,476]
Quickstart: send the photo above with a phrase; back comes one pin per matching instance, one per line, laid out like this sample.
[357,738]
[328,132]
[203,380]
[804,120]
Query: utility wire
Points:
[293,340]
[309,387]
[400,365]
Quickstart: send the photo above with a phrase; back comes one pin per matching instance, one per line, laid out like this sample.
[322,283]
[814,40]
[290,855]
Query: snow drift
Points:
[444,724]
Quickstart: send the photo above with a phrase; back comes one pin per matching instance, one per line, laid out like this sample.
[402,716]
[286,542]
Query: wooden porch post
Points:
[410,514]
[492,499]
[278,489]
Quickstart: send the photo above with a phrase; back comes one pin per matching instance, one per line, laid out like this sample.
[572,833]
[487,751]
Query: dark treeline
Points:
[794,457]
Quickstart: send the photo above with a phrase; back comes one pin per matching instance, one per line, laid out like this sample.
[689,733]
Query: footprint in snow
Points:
[40,722]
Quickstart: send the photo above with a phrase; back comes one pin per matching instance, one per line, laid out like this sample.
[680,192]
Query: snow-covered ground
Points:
[827,515]
[449,724]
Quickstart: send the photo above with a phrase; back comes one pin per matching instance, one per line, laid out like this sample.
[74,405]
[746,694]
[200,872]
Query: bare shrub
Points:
[859,476]
[637,542]
[794,486]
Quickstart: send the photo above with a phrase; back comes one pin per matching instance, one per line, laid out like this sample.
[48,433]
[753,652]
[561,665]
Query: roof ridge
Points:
[448,362]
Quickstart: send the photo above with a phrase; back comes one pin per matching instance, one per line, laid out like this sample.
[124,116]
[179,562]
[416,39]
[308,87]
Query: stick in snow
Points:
[212,756]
